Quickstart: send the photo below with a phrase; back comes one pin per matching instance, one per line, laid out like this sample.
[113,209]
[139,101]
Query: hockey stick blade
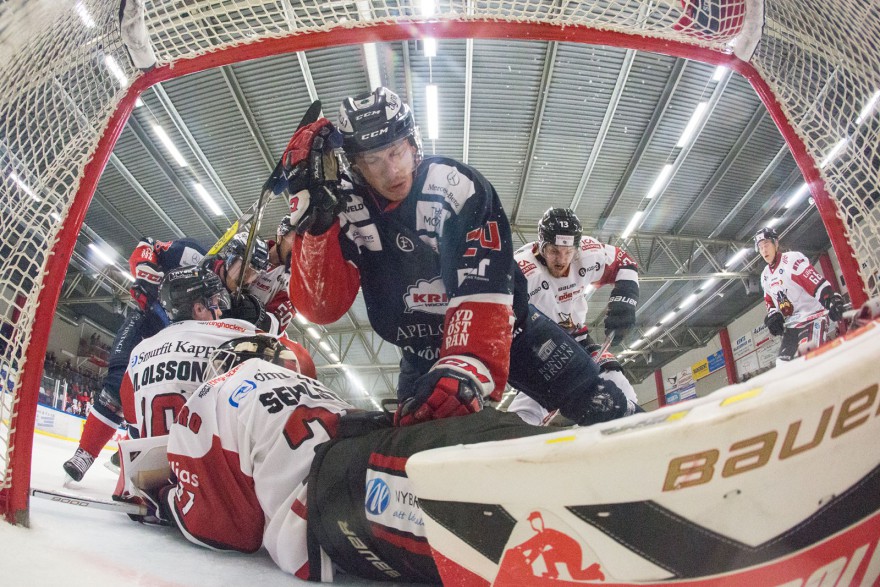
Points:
[98,504]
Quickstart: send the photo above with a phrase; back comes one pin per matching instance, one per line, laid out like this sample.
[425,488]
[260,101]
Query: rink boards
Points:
[775,481]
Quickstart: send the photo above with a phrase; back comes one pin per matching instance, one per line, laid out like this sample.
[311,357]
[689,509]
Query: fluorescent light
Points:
[334,357]
[660,181]
[169,146]
[326,346]
[667,317]
[138,103]
[772,222]
[56,216]
[24,187]
[375,403]
[797,196]
[869,107]
[693,123]
[372,65]
[101,254]
[126,274]
[364,391]
[116,70]
[84,15]
[430,46]
[433,108]
[428,7]
[719,74]
[708,283]
[739,255]
[632,224]
[834,152]
[302,319]
[688,302]
[652,330]
[313,333]
[637,343]
[207,199]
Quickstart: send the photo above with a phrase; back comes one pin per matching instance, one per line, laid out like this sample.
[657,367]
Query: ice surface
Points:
[68,545]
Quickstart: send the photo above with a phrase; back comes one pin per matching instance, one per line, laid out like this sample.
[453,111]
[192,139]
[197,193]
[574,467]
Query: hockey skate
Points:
[77,465]
[113,464]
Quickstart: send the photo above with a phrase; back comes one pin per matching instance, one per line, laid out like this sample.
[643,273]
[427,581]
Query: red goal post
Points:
[813,62]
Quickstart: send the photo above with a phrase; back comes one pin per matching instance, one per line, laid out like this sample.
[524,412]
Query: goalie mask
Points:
[375,120]
[766,234]
[560,227]
[260,346]
[184,286]
[236,248]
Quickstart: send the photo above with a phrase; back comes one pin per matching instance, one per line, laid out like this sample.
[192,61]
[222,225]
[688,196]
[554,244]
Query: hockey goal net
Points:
[815,64]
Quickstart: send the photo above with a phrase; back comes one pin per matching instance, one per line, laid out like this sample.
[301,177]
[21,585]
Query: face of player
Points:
[285,246]
[389,170]
[558,259]
[767,249]
[213,311]
[234,270]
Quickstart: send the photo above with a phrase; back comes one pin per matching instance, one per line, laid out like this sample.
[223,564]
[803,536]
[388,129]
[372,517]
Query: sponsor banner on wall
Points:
[715,361]
[681,386]
[743,346]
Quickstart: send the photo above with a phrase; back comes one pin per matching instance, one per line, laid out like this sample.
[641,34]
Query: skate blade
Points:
[111,467]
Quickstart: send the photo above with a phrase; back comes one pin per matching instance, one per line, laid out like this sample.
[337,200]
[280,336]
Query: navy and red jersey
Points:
[150,255]
[436,270]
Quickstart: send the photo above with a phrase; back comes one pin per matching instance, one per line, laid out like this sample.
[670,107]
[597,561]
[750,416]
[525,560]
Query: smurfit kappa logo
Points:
[243,389]
[378,496]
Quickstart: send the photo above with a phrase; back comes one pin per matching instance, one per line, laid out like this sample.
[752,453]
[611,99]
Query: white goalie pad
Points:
[775,481]
[144,466]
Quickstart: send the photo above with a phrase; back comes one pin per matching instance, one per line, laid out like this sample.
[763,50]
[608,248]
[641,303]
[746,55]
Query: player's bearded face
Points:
[558,259]
[232,276]
[767,249]
[389,170]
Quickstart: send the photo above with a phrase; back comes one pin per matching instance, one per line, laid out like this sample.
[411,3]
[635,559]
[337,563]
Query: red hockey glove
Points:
[311,175]
[145,289]
[439,393]
[775,323]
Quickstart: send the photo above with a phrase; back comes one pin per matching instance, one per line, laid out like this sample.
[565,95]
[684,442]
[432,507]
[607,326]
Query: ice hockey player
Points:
[271,285]
[427,241]
[799,300]
[265,456]
[562,268]
[246,305]
[149,262]
[165,368]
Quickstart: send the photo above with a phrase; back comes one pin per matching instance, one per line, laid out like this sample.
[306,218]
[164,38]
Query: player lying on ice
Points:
[427,241]
[263,455]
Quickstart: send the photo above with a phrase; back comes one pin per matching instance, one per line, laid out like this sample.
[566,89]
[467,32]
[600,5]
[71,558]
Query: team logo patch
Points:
[378,496]
[582,272]
[404,244]
[545,285]
[426,296]
[453,178]
[243,389]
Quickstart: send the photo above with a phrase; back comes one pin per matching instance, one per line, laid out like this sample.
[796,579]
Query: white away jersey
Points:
[271,289]
[564,299]
[792,286]
[242,449]
[166,368]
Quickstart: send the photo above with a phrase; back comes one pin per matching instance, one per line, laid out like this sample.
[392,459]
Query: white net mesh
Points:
[58,91]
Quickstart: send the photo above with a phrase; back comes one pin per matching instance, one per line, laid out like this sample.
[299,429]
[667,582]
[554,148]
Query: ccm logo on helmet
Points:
[366,114]
[374,134]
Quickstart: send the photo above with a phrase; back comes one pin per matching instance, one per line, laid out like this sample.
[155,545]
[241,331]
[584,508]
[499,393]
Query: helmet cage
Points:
[234,352]
[236,248]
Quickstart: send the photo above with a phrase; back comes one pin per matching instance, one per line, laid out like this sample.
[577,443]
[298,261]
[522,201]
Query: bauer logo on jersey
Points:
[391,502]
[426,296]
[245,388]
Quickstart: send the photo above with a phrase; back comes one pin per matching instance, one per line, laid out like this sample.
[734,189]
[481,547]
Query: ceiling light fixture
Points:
[169,146]
[101,254]
[432,102]
[313,333]
[739,255]
[834,152]
[632,224]
[117,72]
[719,73]
[869,108]
[430,46]
[206,197]
[25,187]
[661,180]
[797,196]
[693,123]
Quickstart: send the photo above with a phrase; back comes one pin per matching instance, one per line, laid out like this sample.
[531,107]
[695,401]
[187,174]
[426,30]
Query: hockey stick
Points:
[268,193]
[311,115]
[88,502]
[607,344]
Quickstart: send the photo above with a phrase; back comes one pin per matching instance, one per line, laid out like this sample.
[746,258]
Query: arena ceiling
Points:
[548,123]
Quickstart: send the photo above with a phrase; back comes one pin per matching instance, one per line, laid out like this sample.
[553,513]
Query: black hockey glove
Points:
[439,393]
[250,309]
[833,302]
[775,323]
[621,313]
[311,177]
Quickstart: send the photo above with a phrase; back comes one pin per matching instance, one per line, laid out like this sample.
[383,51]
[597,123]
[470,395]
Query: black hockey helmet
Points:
[236,248]
[183,286]
[259,346]
[559,226]
[284,227]
[375,120]
[766,233]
